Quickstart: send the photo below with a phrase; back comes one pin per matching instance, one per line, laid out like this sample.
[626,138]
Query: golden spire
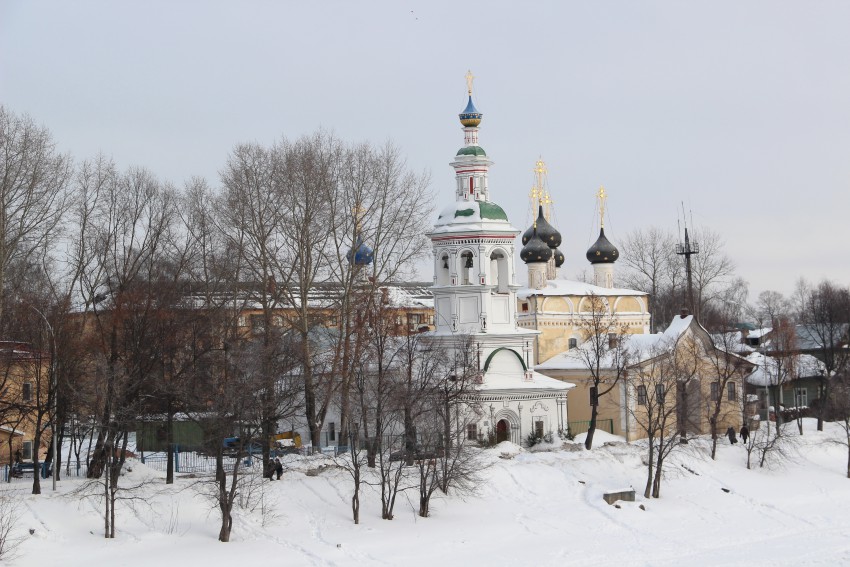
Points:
[358,211]
[469,79]
[535,196]
[602,196]
[541,190]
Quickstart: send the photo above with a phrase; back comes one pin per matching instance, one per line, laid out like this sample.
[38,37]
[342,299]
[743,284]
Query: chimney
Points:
[684,312]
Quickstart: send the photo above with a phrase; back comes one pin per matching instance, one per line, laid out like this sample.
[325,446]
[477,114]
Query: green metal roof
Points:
[492,211]
[471,151]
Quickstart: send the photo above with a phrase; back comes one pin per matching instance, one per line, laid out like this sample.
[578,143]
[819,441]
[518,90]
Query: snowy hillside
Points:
[542,508]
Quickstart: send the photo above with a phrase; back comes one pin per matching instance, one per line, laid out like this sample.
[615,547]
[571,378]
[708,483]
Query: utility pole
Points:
[687,250]
[54,387]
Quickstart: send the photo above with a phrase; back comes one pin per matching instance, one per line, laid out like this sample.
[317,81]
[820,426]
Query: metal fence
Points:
[73,471]
[576,427]
[191,462]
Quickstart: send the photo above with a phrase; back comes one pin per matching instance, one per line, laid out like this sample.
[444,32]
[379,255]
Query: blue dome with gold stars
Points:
[470,117]
[360,254]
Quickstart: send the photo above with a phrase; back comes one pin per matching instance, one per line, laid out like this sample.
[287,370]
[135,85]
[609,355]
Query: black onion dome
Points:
[545,231]
[602,251]
[526,236]
[559,258]
[535,250]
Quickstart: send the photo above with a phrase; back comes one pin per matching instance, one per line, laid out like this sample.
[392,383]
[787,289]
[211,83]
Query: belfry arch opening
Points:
[467,264]
[499,272]
[443,270]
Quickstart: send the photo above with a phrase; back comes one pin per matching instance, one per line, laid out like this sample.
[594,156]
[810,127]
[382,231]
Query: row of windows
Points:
[731,392]
[659,394]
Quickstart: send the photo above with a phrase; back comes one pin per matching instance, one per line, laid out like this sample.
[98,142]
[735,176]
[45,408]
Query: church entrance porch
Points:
[503,431]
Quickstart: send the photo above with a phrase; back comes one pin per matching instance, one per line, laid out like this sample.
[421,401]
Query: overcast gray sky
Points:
[741,110]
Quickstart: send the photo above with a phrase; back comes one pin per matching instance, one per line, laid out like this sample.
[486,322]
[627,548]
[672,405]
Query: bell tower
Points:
[474,247]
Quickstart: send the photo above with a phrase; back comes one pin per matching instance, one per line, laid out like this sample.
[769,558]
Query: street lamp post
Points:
[53,386]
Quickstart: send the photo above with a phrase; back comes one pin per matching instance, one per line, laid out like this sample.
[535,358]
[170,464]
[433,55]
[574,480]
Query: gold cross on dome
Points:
[469,79]
[602,196]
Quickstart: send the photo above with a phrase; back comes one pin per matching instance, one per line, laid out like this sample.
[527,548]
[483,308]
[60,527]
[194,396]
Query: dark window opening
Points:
[641,395]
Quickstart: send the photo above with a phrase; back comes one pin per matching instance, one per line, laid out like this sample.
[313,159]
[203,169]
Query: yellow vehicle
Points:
[286,442]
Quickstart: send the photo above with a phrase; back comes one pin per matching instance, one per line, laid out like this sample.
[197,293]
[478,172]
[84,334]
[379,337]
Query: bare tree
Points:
[729,370]
[604,352]
[839,404]
[236,381]
[354,461]
[825,315]
[295,213]
[652,267]
[9,516]
[657,383]
[713,270]
[121,258]
[380,204]
[33,193]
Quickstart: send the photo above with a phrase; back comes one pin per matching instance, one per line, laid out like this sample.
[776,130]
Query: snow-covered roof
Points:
[571,287]
[758,333]
[416,295]
[495,380]
[808,337]
[639,347]
[473,216]
[323,295]
[770,373]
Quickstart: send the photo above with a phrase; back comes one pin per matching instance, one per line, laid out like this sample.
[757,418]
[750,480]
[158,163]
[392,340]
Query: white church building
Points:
[475,301]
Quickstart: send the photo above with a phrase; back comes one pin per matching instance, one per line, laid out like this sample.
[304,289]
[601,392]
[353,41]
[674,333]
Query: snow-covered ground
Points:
[534,508]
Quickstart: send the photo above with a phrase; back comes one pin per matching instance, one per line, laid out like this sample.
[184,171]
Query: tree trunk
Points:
[355,499]
[656,482]
[588,442]
[36,473]
[823,393]
[169,443]
[226,525]
[106,500]
[648,490]
[713,424]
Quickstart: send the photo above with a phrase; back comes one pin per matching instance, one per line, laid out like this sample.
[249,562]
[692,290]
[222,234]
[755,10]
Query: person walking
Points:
[730,433]
[278,467]
[745,433]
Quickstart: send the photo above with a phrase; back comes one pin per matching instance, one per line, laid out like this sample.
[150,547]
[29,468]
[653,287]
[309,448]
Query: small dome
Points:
[471,151]
[545,231]
[559,258]
[470,117]
[360,254]
[602,251]
[535,250]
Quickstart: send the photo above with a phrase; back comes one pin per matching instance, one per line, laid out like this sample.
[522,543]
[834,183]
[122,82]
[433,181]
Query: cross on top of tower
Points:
[602,196]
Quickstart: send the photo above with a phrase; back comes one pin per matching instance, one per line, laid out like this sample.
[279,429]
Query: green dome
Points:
[470,212]
[471,151]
